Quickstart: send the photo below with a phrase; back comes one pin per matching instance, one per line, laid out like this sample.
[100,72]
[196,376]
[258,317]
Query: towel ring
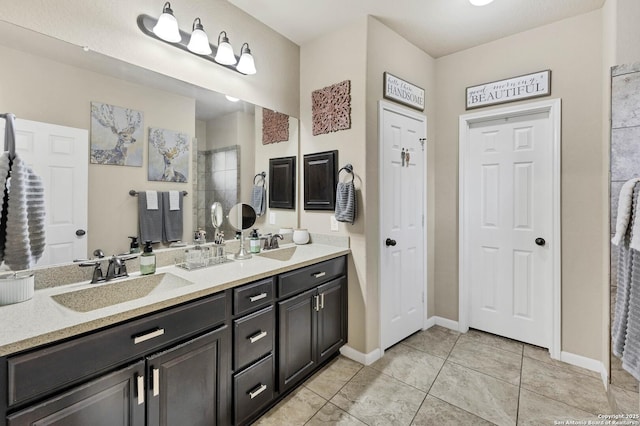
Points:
[349,169]
[261,175]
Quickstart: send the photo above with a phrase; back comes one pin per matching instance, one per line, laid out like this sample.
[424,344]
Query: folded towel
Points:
[346,202]
[174,200]
[259,199]
[152,200]
[624,210]
[149,221]
[171,219]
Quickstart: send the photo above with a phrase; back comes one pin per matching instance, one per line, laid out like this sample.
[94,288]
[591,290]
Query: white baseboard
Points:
[362,358]
[587,363]
[442,322]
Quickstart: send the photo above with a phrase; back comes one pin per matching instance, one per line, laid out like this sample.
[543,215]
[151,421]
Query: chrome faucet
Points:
[116,269]
[273,244]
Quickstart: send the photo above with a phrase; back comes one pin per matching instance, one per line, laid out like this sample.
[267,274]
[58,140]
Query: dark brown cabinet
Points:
[222,359]
[312,328]
[177,372]
[112,400]
[187,384]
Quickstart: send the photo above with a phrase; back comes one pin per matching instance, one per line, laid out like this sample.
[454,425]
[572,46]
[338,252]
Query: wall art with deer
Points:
[168,155]
[116,135]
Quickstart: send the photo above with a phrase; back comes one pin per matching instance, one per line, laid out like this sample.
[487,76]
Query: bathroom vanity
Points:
[212,354]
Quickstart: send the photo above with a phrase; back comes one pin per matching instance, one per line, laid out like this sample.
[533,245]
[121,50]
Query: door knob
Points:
[390,242]
[80,232]
[540,241]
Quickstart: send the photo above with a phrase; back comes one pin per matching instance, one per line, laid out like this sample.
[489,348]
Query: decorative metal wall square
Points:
[331,108]
[275,126]
[116,135]
[168,155]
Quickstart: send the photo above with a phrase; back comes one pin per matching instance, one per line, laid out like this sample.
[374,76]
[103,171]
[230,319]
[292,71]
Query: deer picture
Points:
[169,154]
[104,114]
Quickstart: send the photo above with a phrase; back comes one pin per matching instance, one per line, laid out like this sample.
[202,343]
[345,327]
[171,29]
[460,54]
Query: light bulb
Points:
[480,2]
[167,26]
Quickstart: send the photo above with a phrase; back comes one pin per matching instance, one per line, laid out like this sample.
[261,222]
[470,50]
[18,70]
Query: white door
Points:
[509,209]
[60,156]
[402,233]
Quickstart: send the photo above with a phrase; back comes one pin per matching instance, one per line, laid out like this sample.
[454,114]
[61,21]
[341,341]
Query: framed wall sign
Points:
[403,92]
[512,89]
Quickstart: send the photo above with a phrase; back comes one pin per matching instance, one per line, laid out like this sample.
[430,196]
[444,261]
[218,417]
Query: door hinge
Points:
[422,141]
[423,220]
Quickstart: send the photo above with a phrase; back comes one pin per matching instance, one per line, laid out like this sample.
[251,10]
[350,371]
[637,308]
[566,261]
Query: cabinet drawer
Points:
[252,296]
[253,337]
[305,278]
[35,373]
[253,389]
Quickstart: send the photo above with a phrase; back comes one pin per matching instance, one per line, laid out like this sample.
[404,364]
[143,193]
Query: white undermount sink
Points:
[109,294]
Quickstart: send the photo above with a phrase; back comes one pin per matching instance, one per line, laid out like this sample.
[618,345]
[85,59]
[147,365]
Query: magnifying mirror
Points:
[241,217]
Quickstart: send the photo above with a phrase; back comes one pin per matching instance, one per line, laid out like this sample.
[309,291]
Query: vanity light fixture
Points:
[480,2]
[225,55]
[167,26]
[246,65]
[199,42]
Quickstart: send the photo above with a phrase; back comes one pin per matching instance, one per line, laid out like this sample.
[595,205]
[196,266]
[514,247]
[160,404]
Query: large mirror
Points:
[50,81]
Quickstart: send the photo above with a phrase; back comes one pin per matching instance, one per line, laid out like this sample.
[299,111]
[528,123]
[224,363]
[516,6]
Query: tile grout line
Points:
[519,386]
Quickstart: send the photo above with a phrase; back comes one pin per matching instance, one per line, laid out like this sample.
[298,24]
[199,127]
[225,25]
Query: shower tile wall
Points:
[625,165]
[218,180]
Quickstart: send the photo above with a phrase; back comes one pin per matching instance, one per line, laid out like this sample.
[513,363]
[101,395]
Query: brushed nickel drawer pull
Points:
[257,297]
[258,336]
[156,382]
[321,300]
[258,391]
[147,336]
[316,300]
[319,274]
[140,380]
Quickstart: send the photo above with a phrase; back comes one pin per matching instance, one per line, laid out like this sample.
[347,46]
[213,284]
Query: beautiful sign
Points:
[404,92]
[510,90]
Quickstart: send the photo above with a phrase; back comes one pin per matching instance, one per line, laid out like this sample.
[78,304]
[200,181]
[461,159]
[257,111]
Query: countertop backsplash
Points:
[55,276]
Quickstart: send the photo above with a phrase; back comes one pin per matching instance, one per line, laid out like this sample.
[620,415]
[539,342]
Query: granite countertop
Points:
[41,320]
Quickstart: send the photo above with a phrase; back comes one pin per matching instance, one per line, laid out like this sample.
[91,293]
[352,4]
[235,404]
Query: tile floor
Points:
[441,377]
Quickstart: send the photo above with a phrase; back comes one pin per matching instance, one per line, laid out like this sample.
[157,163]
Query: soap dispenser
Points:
[134,247]
[147,260]
[254,242]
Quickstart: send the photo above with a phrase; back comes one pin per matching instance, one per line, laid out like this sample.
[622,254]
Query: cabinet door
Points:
[110,400]
[332,317]
[189,383]
[297,340]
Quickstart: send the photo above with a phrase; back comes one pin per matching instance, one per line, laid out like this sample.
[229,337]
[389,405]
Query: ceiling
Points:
[439,27]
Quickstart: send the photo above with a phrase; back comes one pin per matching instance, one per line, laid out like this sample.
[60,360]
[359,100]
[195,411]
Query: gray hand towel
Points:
[346,202]
[259,199]
[149,221]
[172,219]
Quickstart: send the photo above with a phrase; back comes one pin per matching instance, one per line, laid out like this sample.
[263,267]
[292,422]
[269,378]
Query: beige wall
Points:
[323,62]
[284,218]
[109,27]
[572,49]
[627,31]
[373,49]
[50,92]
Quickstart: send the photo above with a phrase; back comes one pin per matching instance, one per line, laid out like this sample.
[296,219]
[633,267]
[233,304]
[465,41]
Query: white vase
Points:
[300,236]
